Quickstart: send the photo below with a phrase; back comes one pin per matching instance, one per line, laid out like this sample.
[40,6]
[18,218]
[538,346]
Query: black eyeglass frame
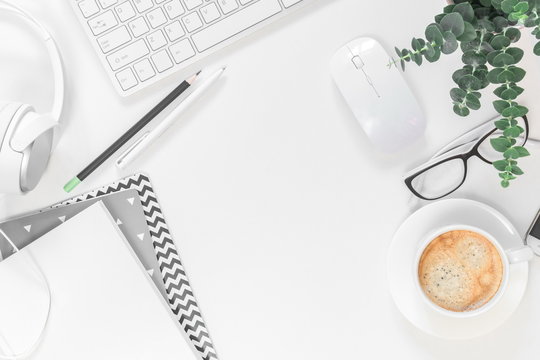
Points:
[463,157]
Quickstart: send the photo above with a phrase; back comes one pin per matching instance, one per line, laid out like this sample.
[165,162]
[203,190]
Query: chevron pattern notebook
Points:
[180,295]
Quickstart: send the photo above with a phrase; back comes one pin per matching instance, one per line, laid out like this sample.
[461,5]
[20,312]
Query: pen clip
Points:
[125,154]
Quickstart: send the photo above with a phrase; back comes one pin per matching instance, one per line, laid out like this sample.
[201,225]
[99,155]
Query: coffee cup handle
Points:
[519,254]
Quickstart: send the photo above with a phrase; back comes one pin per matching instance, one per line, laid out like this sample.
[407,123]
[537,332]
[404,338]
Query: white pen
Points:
[147,138]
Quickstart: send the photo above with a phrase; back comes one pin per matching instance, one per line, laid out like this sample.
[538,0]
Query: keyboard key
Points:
[244,2]
[128,54]
[234,24]
[156,40]
[102,22]
[174,9]
[144,70]
[162,61]
[143,5]
[192,4]
[88,8]
[174,31]
[126,79]
[289,3]
[182,50]
[138,27]
[114,39]
[228,5]
[210,13]
[125,11]
[156,17]
[107,3]
[192,22]
[159,1]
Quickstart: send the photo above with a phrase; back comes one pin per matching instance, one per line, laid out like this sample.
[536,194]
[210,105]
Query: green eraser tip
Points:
[72,184]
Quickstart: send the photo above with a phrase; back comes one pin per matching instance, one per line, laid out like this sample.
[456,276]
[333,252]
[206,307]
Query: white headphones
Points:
[26,137]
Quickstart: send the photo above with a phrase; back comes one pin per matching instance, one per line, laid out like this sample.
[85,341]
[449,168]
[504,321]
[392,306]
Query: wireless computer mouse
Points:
[377,94]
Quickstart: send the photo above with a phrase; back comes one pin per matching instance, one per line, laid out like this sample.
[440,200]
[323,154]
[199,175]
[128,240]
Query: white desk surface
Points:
[282,211]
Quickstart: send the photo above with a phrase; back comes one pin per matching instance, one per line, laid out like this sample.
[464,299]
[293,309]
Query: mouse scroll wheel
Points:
[357,61]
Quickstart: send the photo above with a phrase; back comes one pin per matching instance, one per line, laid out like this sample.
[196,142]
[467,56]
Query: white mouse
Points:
[378,95]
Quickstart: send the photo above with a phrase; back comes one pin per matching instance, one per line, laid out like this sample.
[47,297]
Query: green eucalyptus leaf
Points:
[498,91]
[503,59]
[458,94]
[450,42]
[493,75]
[513,131]
[434,35]
[509,94]
[514,16]
[516,170]
[472,102]
[515,111]
[499,42]
[513,34]
[461,110]
[518,73]
[500,165]
[465,10]
[469,33]
[508,6]
[500,105]
[500,23]
[501,124]
[511,154]
[458,74]
[505,75]
[492,56]
[521,7]
[473,58]
[517,89]
[430,51]
[417,58]
[505,183]
[486,3]
[485,23]
[500,144]
[469,82]
[516,53]
[448,8]
[453,23]
[438,18]
[435,56]
[415,44]
[536,49]
[522,151]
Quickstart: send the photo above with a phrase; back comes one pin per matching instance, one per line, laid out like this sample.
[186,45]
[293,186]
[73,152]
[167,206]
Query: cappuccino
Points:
[460,270]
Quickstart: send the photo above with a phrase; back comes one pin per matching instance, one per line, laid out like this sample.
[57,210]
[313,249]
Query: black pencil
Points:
[130,133]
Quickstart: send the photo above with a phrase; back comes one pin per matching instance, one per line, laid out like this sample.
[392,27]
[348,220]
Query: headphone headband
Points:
[54,55]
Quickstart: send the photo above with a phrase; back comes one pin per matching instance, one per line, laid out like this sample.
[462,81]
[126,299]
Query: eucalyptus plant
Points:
[485,31]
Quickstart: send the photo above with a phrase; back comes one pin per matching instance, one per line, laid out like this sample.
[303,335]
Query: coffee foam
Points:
[460,270]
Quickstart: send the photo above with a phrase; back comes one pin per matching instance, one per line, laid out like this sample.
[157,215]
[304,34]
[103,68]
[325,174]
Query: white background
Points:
[281,209]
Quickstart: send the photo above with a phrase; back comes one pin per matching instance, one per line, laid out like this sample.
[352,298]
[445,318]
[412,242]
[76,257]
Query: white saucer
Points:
[401,274]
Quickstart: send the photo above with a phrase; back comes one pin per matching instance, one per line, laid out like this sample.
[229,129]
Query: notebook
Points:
[103,303]
[135,207]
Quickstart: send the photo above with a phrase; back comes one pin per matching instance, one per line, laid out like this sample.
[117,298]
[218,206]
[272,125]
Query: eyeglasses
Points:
[447,169]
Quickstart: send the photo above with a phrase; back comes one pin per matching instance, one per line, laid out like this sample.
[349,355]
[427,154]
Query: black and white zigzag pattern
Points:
[181,298]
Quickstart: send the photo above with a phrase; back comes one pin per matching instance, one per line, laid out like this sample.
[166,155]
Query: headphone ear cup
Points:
[35,160]
[10,161]
[33,137]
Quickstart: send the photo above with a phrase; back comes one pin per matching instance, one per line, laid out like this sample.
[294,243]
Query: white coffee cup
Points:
[508,257]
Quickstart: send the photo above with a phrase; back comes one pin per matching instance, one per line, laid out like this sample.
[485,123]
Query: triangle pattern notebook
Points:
[103,305]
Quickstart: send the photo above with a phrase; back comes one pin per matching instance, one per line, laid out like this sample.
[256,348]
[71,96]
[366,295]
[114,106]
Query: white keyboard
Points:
[140,42]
